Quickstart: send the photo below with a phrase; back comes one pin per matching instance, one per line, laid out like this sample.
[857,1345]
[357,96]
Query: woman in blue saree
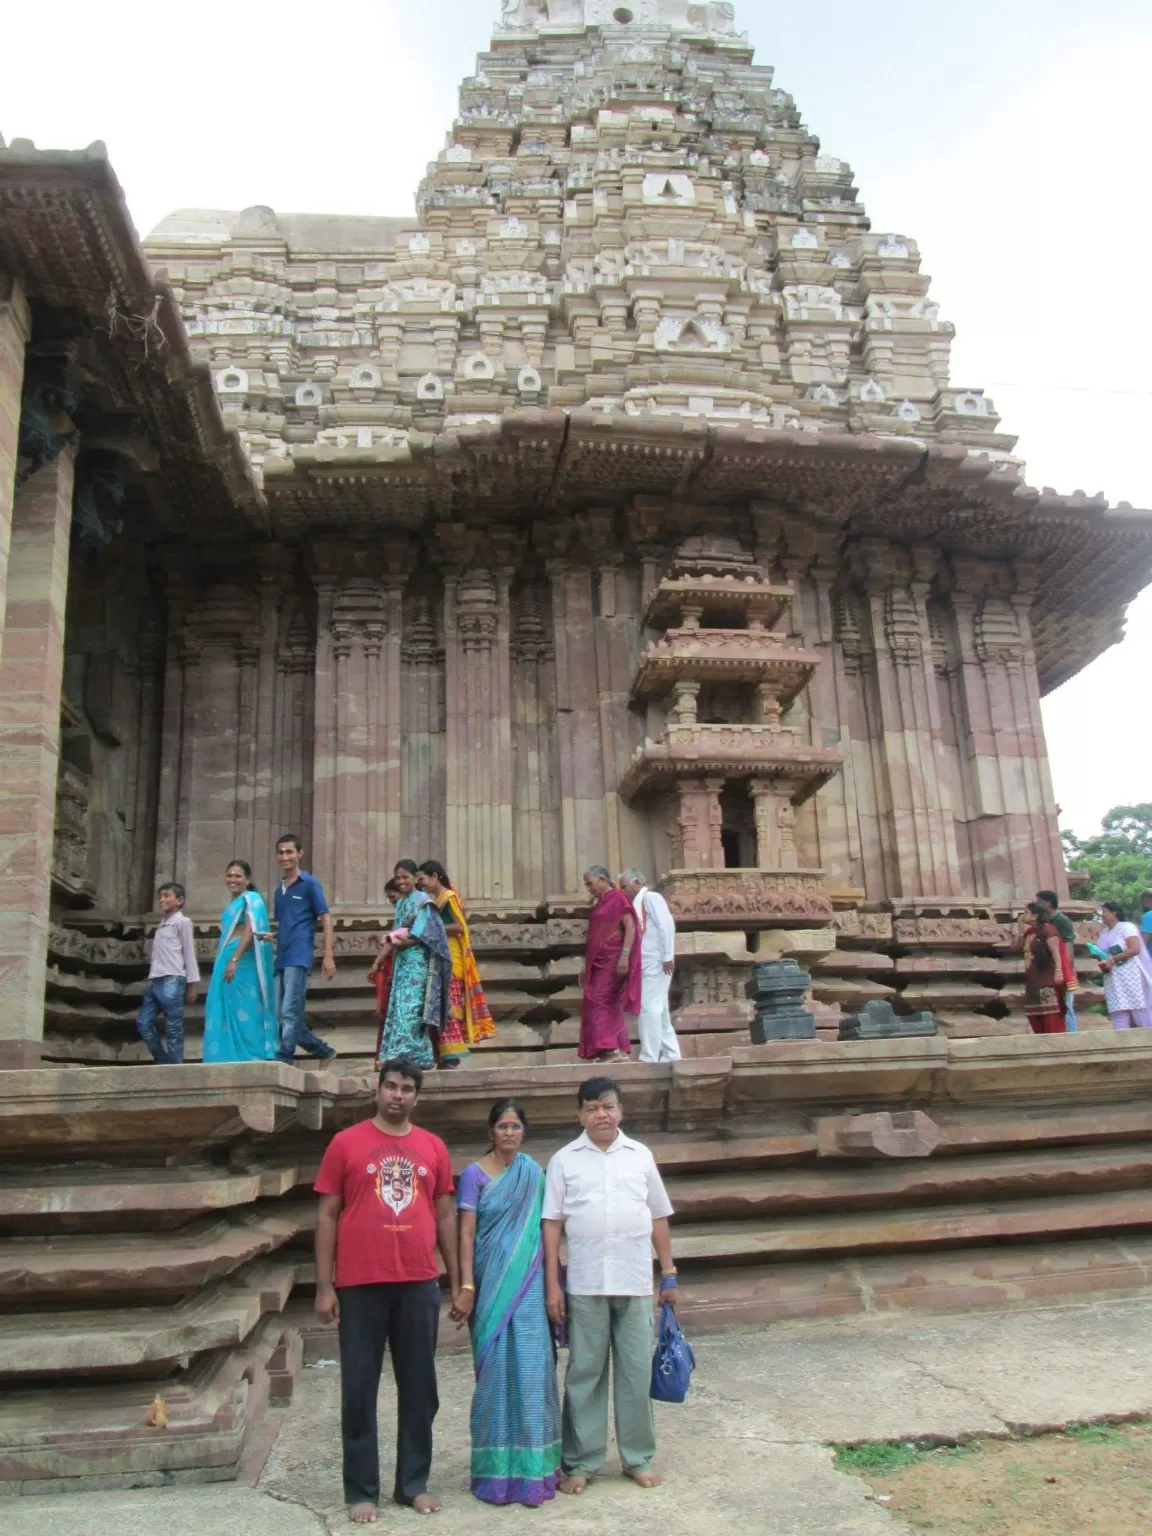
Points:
[414,1006]
[240,1022]
[516,1404]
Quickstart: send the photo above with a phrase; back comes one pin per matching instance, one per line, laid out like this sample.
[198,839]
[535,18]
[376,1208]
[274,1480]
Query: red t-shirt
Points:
[389,1186]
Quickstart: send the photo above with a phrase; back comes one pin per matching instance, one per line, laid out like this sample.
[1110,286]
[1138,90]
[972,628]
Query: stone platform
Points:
[958,959]
[155,1223]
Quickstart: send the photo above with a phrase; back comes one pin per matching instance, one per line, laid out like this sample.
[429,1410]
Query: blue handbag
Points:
[673,1362]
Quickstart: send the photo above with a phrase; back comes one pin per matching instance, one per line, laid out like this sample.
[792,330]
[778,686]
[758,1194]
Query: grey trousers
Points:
[603,1329]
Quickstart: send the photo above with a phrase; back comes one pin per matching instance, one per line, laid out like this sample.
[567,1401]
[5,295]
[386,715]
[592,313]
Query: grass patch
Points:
[1084,1480]
[1095,1434]
[876,1458]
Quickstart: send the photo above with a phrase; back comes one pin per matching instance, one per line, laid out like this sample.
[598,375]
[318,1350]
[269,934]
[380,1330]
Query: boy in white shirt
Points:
[173,977]
[604,1193]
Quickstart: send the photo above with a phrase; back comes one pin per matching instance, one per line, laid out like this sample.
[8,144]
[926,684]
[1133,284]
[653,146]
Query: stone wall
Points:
[384,703]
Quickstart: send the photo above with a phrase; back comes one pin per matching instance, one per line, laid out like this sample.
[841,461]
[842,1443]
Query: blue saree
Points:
[418,1000]
[516,1404]
[240,1022]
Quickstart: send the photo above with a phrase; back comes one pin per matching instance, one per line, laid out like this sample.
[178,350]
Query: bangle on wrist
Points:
[669,1283]
[471,1288]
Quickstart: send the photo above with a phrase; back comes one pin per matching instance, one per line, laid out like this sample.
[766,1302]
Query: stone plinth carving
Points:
[748,898]
[778,990]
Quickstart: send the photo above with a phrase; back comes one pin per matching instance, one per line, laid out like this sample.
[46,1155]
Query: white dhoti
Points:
[657,1037]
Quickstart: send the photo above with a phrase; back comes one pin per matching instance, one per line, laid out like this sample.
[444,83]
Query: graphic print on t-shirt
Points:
[397,1181]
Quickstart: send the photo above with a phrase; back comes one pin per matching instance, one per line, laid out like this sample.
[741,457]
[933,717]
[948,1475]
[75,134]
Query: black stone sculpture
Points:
[879,1021]
[778,989]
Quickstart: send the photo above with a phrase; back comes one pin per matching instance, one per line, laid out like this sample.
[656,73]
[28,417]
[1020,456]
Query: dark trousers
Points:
[406,1319]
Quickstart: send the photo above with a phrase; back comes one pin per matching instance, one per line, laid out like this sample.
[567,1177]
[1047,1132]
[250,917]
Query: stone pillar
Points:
[477,630]
[775,824]
[15,328]
[577,722]
[536,831]
[293,738]
[922,832]
[700,820]
[322,855]
[358,707]
[147,674]
[1009,803]
[422,770]
[210,731]
[31,673]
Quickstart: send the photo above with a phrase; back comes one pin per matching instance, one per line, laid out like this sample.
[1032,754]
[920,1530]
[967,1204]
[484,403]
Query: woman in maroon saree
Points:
[612,974]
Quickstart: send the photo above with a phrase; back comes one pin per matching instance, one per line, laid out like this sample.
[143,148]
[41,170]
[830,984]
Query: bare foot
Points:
[647,1479]
[426,1504]
[573,1485]
[362,1514]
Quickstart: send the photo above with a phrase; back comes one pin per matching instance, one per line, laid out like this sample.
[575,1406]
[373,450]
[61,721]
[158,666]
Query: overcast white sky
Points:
[1010,137]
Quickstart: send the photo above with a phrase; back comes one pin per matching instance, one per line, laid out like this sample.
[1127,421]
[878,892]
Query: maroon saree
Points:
[608,997]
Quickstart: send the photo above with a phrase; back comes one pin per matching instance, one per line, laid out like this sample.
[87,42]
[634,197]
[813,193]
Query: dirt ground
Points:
[1090,1481]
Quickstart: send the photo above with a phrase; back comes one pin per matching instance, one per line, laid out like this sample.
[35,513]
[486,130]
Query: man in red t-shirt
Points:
[386,1204]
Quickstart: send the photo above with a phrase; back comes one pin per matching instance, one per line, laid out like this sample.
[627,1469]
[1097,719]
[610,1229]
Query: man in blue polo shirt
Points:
[1146,919]
[300,905]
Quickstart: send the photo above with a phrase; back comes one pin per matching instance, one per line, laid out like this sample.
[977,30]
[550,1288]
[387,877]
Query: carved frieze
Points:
[763,897]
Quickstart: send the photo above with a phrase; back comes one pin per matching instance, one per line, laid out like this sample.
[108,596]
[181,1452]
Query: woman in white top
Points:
[1127,975]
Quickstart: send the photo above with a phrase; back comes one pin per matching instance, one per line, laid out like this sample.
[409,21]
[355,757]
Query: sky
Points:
[1008,137]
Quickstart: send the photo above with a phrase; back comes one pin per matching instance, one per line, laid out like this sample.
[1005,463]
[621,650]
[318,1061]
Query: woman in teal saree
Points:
[415,1006]
[516,1404]
[240,1022]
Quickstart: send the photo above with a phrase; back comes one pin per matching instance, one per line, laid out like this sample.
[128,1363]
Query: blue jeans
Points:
[164,995]
[291,989]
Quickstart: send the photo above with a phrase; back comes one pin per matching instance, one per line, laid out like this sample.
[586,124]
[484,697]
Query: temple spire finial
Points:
[705,18]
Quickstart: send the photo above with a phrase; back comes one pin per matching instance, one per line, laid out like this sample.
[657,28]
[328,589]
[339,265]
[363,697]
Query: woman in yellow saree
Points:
[469,1020]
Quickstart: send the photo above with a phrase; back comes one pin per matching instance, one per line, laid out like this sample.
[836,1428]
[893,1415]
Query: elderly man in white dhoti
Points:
[657,928]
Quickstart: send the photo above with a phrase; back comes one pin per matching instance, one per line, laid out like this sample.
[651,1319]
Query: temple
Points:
[618,508]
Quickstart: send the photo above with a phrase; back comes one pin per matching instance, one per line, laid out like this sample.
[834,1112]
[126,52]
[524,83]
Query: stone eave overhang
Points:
[1086,559]
[66,234]
[661,765]
[723,594]
[709,656]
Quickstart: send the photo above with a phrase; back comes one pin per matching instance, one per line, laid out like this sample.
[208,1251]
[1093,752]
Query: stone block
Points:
[879,1021]
[808,944]
[898,1134]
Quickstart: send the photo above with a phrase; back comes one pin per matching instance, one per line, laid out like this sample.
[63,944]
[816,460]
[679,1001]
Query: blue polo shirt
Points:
[298,906]
[1146,929]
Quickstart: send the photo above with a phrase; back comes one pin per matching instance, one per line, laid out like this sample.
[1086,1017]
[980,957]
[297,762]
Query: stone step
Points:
[935,995]
[97,1435]
[979,1026]
[147,1263]
[733,1242]
[854,962]
[850,995]
[81,1192]
[144,1339]
[1002,1277]
[724,1195]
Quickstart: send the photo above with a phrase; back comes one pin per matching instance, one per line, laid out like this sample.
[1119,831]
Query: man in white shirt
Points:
[657,927]
[604,1193]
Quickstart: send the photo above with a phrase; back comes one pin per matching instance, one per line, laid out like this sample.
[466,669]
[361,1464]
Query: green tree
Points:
[1118,861]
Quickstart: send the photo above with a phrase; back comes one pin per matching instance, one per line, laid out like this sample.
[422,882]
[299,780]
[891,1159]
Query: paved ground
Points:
[746,1455]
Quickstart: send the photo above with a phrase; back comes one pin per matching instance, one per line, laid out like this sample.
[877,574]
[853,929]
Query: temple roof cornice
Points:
[66,233]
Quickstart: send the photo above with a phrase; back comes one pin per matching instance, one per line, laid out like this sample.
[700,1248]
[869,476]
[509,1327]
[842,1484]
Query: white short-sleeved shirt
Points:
[607,1202]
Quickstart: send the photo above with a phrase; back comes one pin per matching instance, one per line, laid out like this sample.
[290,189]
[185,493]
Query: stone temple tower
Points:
[617,508]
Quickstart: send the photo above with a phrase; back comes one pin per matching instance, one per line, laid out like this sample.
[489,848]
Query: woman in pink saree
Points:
[612,973]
